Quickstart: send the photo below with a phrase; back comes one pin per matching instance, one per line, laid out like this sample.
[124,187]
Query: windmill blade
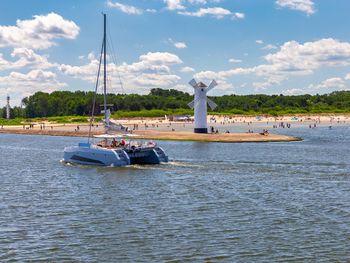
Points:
[191,104]
[212,104]
[193,83]
[212,85]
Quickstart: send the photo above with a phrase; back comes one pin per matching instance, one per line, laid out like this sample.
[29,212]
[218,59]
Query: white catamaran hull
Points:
[86,154]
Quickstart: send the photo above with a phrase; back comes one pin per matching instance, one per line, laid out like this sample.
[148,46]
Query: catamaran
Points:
[112,149]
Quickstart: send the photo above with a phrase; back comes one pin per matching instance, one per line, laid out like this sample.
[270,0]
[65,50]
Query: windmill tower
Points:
[200,105]
[8,108]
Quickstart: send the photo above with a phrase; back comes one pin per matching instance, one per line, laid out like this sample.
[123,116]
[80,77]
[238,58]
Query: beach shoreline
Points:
[235,128]
[172,136]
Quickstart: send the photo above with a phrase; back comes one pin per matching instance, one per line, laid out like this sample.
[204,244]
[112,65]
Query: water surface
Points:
[214,202]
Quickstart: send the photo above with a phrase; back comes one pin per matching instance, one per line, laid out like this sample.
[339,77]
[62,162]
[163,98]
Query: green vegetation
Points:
[16,121]
[70,107]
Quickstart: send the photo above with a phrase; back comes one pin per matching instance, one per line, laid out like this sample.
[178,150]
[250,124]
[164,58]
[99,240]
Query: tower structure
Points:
[8,108]
[200,104]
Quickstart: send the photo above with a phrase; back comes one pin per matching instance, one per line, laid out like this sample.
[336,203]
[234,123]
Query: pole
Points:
[104,68]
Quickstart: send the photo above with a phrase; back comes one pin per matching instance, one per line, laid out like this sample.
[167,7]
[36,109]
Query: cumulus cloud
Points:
[292,59]
[21,85]
[293,92]
[306,6]
[39,32]
[128,9]
[25,58]
[239,15]
[28,58]
[216,12]
[174,4]
[187,70]
[180,45]
[152,70]
[269,46]
[328,85]
[234,60]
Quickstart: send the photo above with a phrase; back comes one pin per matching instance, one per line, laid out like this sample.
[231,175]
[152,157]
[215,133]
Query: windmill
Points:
[8,108]
[200,104]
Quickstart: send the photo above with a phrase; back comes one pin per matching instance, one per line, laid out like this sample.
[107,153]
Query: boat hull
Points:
[147,155]
[86,154]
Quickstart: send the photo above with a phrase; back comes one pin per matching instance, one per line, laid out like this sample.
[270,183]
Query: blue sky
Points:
[248,46]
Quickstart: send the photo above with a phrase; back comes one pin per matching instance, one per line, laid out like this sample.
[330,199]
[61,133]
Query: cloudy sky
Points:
[248,46]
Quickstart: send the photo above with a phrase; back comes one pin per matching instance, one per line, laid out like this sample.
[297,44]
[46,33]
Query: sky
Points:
[286,47]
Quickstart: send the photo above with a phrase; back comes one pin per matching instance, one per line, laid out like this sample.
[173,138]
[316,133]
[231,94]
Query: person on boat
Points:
[114,143]
[122,142]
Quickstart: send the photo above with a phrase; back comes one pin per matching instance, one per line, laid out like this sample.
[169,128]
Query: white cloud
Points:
[174,4]
[159,58]
[39,32]
[234,60]
[187,70]
[292,59]
[150,10]
[304,58]
[180,45]
[184,88]
[293,92]
[20,85]
[152,70]
[331,84]
[347,77]
[326,86]
[128,9]
[259,41]
[216,12]
[29,59]
[269,46]
[239,15]
[306,6]
[155,80]
[26,58]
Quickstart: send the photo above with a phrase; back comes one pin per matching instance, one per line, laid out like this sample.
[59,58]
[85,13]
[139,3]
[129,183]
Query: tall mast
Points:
[104,67]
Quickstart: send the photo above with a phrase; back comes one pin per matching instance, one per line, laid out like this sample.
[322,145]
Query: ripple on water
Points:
[211,203]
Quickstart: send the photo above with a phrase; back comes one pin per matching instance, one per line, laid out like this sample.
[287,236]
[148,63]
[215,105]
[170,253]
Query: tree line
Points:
[79,103]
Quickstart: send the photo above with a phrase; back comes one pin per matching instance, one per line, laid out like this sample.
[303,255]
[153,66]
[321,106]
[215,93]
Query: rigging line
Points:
[115,58]
[116,65]
[94,100]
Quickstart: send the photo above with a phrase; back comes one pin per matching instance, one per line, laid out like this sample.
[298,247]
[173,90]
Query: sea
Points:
[213,202]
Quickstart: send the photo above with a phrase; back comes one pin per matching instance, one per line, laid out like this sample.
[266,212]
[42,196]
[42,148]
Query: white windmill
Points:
[200,104]
[8,108]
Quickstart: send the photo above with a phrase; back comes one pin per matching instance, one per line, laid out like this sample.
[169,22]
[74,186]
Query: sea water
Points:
[213,202]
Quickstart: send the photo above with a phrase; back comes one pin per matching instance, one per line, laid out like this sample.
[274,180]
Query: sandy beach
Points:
[228,128]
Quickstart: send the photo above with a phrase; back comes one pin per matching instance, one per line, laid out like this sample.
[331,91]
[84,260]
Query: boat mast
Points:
[104,68]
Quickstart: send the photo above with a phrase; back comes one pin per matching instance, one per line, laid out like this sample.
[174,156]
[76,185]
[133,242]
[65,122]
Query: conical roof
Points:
[201,85]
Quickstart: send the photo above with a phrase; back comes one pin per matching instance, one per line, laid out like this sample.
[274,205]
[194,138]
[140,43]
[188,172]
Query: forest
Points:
[160,102]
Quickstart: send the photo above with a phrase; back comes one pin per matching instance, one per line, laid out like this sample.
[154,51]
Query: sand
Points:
[241,128]
[164,131]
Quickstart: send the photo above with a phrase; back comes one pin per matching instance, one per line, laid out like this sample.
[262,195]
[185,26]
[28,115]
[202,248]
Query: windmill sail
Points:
[212,85]
[193,83]
[212,104]
[191,104]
